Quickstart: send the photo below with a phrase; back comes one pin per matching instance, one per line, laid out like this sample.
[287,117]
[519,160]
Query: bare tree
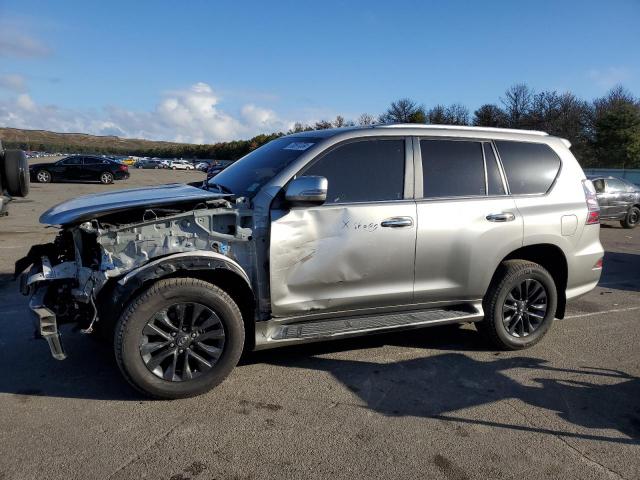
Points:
[517,103]
[366,119]
[339,122]
[457,114]
[404,111]
[322,125]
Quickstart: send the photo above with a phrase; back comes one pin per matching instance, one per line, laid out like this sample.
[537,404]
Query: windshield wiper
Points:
[221,188]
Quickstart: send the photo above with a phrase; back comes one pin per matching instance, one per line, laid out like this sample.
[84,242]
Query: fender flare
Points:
[112,300]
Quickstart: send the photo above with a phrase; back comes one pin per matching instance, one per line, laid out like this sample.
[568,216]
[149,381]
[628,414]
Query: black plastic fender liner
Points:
[116,294]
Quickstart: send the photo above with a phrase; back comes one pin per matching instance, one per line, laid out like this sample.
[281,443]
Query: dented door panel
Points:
[340,257]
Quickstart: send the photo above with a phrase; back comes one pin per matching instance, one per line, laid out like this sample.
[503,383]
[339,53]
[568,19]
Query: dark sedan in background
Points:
[78,168]
[618,199]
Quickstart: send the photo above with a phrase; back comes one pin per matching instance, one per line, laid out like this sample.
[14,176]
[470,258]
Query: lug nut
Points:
[180,351]
[173,334]
[172,345]
[193,335]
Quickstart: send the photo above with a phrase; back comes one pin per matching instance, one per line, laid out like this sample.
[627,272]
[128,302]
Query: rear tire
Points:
[43,176]
[186,376]
[519,306]
[106,178]
[632,219]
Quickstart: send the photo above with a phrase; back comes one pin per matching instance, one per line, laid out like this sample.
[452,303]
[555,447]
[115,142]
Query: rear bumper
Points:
[584,274]
[121,175]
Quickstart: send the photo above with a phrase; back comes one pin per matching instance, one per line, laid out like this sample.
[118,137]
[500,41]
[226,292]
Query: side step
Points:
[273,333]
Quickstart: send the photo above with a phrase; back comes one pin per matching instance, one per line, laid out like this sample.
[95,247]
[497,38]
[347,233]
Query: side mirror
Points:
[307,190]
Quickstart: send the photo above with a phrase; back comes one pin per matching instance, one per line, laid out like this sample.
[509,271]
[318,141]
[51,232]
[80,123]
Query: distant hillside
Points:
[45,141]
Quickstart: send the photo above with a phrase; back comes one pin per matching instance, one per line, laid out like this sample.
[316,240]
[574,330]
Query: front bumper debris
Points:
[47,324]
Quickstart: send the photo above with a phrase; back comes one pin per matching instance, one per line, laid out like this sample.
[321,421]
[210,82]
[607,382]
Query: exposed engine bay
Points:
[65,277]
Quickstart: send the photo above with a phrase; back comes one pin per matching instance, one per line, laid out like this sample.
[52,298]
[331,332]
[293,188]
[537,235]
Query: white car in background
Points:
[181,165]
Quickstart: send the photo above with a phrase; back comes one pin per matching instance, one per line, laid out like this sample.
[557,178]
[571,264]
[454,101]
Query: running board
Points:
[274,333]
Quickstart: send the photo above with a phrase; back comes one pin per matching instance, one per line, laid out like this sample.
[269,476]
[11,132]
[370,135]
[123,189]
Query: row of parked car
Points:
[107,169]
[154,163]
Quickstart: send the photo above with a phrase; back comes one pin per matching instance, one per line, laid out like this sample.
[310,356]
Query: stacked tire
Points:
[14,174]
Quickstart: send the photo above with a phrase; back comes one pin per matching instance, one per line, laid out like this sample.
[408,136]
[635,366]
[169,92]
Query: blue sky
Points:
[206,71]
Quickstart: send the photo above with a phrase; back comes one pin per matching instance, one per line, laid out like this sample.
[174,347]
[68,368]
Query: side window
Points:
[90,161]
[363,171]
[530,167]
[72,161]
[452,168]
[615,186]
[494,179]
[599,185]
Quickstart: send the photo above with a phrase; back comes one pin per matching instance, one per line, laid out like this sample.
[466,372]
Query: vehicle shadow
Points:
[437,386]
[620,271]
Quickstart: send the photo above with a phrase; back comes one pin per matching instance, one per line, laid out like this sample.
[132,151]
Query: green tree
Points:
[616,129]
[489,115]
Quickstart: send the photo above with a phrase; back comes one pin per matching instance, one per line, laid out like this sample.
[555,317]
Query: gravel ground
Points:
[435,403]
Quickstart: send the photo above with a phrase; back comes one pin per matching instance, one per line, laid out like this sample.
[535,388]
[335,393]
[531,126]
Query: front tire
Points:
[632,219]
[179,338]
[519,306]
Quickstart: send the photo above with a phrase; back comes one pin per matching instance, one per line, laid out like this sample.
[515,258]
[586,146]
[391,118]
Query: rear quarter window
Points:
[531,168]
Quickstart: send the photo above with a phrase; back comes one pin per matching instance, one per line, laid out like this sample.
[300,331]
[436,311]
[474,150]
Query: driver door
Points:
[357,250]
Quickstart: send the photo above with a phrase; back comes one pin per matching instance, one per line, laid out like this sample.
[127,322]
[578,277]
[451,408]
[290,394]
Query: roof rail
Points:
[462,127]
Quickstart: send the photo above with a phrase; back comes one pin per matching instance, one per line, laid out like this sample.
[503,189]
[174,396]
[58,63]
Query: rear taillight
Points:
[123,168]
[598,264]
[593,214]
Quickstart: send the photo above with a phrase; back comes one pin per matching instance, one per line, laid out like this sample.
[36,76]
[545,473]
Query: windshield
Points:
[245,177]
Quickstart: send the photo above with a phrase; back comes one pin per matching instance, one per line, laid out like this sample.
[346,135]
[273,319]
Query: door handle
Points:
[396,222]
[501,217]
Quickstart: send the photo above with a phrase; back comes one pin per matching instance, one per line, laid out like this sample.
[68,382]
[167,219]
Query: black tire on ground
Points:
[161,296]
[43,176]
[15,173]
[511,274]
[632,219]
[106,178]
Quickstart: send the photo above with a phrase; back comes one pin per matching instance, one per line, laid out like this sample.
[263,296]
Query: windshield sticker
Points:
[298,146]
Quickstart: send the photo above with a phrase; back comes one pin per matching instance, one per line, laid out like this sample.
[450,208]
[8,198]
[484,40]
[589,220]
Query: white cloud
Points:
[191,115]
[16,43]
[610,77]
[13,82]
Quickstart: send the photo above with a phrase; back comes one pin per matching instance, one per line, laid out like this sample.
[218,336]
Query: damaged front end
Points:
[67,279]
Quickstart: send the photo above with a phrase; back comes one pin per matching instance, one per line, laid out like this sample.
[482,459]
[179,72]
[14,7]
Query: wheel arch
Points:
[551,258]
[211,267]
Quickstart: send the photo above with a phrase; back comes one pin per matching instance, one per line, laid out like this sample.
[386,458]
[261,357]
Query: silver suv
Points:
[322,235]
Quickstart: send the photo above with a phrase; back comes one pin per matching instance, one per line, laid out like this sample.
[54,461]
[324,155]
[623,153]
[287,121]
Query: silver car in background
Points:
[321,235]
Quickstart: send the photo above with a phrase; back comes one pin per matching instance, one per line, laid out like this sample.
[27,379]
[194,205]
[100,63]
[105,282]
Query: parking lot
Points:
[434,403]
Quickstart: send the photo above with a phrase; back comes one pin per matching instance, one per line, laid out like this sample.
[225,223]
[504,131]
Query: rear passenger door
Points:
[91,167]
[466,221]
[357,250]
[618,199]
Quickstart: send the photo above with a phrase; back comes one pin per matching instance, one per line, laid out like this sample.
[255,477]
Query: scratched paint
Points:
[339,257]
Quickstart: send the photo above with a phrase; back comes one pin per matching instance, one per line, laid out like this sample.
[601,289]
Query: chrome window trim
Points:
[486,177]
